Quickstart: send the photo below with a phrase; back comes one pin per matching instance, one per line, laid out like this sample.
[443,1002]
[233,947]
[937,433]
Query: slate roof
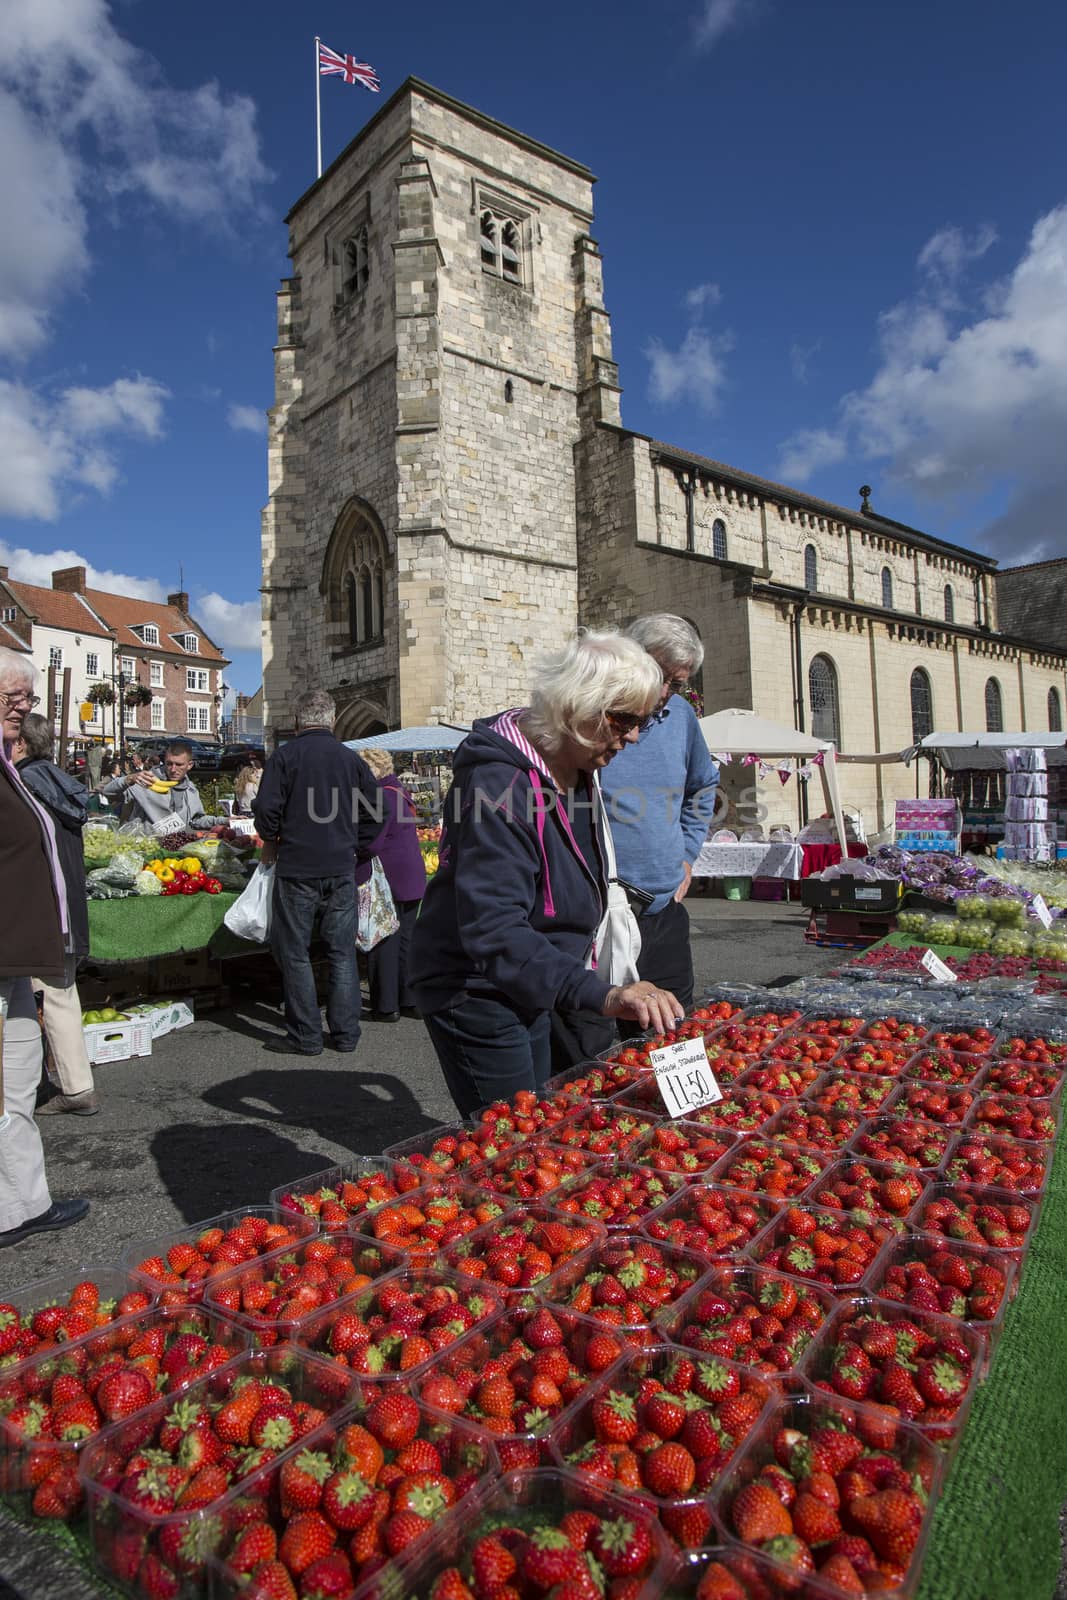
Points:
[1032,603]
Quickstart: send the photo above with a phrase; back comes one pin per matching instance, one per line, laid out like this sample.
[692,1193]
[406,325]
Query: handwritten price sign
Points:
[684,1076]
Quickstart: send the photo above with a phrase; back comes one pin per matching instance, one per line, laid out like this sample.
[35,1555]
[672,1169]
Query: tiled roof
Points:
[124,614]
[55,608]
[1032,603]
[11,641]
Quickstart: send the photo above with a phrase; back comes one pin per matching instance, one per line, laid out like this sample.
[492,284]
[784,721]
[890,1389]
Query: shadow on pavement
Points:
[207,1170]
[363,1111]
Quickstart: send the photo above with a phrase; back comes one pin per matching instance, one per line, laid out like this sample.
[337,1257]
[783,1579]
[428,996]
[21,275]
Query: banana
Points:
[161,787]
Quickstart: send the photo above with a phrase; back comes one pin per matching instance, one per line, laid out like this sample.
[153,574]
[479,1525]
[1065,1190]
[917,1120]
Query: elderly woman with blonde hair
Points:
[397,848]
[507,932]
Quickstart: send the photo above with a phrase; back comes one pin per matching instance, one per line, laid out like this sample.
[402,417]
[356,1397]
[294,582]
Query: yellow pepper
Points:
[190,864]
[166,874]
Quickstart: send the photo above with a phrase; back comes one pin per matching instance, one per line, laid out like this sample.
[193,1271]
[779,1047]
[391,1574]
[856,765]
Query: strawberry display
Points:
[332,1198]
[532,1171]
[179,1271]
[527,1114]
[728,1065]
[460,1149]
[44,1323]
[55,1403]
[426,1220]
[823,1246]
[933,1102]
[1035,1048]
[875,1188]
[747,1038]
[1011,1114]
[786,1079]
[743,1110]
[514,1254]
[895,1030]
[924,1366]
[945,1066]
[710,1220]
[874,1058]
[964,1041]
[758,1318]
[630,1282]
[513,1377]
[904,1141]
[803,1049]
[806,1124]
[685,1148]
[714,1011]
[834,1027]
[272,1296]
[618,1195]
[977,1216]
[664,1425]
[604,1130]
[998,1163]
[594,1080]
[832,1491]
[843,1091]
[399,1325]
[766,1166]
[1033,1079]
[955,1280]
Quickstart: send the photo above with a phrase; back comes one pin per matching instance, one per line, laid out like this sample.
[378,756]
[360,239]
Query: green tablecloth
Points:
[156,925]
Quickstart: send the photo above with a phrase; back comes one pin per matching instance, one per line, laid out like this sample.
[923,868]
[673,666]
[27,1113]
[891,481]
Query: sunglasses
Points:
[625,722]
[18,698]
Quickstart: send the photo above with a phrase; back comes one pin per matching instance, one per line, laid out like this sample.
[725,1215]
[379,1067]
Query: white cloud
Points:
[807,451]
[233,624]
[37,566]
[247,419]
[704,295]
[717,18]
[801,357]
[950,250]
[51,443]
[695,371]
[967,401]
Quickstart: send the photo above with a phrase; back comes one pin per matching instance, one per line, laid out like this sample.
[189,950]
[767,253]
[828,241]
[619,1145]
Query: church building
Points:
[452,488]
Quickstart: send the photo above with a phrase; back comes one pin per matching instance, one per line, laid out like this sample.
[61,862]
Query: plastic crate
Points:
[455,1150]
[785,1171]
[1016,1117]
[970,1154]
[534,1171]
[872,1186]
[850,1090]
[800,1122]
[617,1194]
[771,1247]
[909,1141]
[682,1148]
[113,1283]
[920,1248]
[943,1103]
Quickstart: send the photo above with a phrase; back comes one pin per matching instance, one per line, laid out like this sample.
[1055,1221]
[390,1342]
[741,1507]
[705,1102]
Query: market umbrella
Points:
[435,736]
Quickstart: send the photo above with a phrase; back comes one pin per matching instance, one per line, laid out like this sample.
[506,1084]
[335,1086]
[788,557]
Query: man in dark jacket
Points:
[66,802]
[34,941]
[318,814]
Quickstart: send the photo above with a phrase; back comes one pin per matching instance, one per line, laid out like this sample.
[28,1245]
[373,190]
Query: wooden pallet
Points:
[846,930]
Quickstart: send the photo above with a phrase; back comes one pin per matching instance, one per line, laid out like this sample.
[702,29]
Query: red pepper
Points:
[190,888]
[212,886]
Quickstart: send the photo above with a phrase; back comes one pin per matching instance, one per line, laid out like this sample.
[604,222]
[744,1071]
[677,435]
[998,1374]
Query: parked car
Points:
[235,756]
[206,757]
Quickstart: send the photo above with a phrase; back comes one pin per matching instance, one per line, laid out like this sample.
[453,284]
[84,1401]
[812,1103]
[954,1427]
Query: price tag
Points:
[937,968]
[684,1076]
[165,825]
[1041,910]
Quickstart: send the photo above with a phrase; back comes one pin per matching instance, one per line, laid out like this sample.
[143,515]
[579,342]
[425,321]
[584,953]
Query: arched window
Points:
[718,539]
[352,609]
[811,568]
[501,246]
[994,707]
[822,695]
[887,589]
[922,705]
[353,578]
[1055,715]
[366,605]
[355,265]
[950,604]
[379,599]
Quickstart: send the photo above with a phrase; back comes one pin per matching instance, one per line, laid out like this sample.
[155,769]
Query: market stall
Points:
[749,859]
[741,734]
[973,768]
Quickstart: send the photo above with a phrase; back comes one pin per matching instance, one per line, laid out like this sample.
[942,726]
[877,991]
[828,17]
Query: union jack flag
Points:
[347,67]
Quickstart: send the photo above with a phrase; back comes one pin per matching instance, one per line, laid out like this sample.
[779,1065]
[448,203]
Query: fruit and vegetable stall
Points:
[804,1340]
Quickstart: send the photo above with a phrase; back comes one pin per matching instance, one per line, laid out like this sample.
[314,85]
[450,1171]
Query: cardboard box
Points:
[851,894]
[177,974]
[163,1016]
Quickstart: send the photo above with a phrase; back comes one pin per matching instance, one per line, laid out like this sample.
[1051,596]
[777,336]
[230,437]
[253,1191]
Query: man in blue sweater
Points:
[660,794]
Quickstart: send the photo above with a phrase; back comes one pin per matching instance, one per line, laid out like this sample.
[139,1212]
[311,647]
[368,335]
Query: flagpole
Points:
[318,105]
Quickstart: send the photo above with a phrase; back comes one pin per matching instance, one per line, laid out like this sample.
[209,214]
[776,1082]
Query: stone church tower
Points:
[442,348]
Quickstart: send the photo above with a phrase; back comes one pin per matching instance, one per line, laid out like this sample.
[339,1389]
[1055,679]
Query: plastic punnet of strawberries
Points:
[1032,1120]
[767,1166]
[834,1490]
[604,1130]
[933,1102]
[514,1377]
[945,1066]
[596,1080]
[874,1058]
[31,1329]
[1033,1079]
[803,1049]
[525,1113]
[895,1030]
[729,1066]
[996,1162]
[685,1148]
[513,1255]
[843,1091]
[950,1279]
[338,1194]
[426,1220]
[534,1170]
[926,1366]
[273,1295]
[819,1130]
[786,1079]
[977,1216]
[905,1141]
[664,1424]
[184,1266]
[399,1325]
[368,1490]
[878,1188]
[709,1220]
[823,1246]
[629,1282]
[748,1038]
[837,1026]
[1036,1048]
[454,1151]
[964,1041]
[618,1195]
[746,1314]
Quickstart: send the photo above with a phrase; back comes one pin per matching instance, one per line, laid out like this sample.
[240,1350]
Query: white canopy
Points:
[992,741]
[742,732]
[436,736]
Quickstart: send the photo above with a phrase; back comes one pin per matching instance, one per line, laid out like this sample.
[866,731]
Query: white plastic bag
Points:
[618,939]
[250,915]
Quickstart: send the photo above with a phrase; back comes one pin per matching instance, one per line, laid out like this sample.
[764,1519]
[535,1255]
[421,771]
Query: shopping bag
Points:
[249,916]
[376,918]
[618,939]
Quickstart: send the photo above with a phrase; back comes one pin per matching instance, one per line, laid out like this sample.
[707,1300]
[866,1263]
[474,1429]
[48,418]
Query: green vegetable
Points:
[147,883]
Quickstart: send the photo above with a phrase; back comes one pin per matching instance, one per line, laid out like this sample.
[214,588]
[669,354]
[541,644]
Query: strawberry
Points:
[669,1471]
[124,1393]
[302,1480]
[393,1420]
[757,1514]
[814,1521]
[307,1537]
[621,1545]
[614,1417]
[328,1578]
[255,1544]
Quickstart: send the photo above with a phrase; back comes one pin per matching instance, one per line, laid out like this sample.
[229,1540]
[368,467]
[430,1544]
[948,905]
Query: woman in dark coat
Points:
[397,848]
[66,802]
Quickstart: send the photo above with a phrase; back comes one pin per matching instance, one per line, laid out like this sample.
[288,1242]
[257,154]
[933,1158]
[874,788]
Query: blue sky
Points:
[835,244]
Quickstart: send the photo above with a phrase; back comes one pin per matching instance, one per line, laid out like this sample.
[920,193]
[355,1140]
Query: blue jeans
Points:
[296,906]
[487,1052]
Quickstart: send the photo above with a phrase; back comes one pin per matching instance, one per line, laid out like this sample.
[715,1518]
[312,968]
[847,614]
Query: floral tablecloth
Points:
[766,860]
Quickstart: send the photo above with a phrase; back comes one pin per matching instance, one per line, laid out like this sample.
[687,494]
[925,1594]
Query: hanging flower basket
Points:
[696,700]
[138,694]
[100,694]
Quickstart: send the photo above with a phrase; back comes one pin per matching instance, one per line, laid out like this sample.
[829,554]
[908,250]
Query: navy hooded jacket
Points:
[513,909]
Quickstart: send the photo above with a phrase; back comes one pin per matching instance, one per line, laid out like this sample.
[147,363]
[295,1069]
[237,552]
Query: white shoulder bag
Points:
[618,939]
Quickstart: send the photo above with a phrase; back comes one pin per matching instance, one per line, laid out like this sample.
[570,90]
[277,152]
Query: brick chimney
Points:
[70,581]
[3,573]
[180,601]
